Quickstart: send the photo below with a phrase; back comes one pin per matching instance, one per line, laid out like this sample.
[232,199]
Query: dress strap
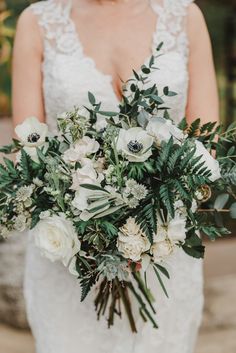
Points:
[171,28]
[55,22]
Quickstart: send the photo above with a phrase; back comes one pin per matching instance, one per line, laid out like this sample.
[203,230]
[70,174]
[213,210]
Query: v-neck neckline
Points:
[157,10]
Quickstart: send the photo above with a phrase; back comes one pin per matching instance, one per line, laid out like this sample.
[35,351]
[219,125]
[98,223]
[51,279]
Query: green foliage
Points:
[193,245]
[146,217]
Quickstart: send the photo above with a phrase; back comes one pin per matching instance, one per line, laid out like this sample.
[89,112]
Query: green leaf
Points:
[160,281]
[86,285]
[91,98]
[136,75]
[221,201]
[145,70]
[167,197]
[93,187]
[147,219]
[233,210]
[163,270]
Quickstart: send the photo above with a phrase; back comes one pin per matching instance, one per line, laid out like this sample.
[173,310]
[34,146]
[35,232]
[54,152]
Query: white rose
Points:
[135,143]
[56,238]
[162,130]
[211,163]
[82,148]
[160,250]
[31,132]
[176,229]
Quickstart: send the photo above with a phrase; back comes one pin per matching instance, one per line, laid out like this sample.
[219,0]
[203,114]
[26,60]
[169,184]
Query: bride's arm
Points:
[27,76]
[203,97]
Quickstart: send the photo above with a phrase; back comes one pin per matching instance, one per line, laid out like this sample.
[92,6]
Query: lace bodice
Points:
[68,74]
[60,323]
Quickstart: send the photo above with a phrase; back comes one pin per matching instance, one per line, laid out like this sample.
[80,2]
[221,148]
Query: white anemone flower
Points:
[135,143]
[31,132]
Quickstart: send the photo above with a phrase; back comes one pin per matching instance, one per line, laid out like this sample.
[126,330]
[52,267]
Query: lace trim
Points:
[60,34]
[172,26]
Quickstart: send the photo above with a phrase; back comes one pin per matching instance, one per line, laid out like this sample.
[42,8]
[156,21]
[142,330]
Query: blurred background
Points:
[218,332]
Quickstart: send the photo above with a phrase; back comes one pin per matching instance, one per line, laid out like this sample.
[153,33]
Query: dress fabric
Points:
[59,321]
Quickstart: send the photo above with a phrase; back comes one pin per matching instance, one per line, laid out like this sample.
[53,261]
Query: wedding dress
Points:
[60,323]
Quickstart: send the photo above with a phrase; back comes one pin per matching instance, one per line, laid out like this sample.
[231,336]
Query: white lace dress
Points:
[60,323]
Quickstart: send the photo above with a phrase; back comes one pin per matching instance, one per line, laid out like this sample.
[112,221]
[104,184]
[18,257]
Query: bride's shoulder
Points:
[195,20]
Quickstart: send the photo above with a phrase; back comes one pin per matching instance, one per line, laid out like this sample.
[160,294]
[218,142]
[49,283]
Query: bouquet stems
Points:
[112,293]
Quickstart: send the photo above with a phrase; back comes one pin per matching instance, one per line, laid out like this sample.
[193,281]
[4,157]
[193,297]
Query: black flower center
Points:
[34,137]
[135,146]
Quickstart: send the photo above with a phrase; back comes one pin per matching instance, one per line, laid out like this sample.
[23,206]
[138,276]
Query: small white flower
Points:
[177,229]
[180,209]
[4,232]
[38,182]
[135,144]
[132,243]
[211,163]
[162,130]
[24,193]
[31,132]
[20,223]
[132,203]
[28,203]
[44,214]
[56,238]
[139,192]
[131,183]
[161,249]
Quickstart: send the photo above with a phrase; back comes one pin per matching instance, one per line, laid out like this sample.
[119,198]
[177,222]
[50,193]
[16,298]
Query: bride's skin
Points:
[117,34]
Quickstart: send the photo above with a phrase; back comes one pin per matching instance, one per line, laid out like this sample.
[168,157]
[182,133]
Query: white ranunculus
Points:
[161,249]
[85,175]
[31,132]
[132,243]
[162,130]
[56,238]
[211,163]
[135,143]
[176,229]
[81,149]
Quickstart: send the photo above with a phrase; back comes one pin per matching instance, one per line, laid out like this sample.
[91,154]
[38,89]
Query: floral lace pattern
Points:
[60,323]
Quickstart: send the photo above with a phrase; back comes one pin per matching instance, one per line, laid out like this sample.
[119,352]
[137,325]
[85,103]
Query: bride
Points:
[63,49]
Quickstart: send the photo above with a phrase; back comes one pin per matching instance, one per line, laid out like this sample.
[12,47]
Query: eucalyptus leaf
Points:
[233,210]
[221,201]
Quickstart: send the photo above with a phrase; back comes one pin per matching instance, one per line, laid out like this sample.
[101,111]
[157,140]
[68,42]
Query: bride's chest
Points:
[68,78]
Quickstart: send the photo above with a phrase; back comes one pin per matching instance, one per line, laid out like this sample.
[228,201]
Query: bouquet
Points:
[114,194]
